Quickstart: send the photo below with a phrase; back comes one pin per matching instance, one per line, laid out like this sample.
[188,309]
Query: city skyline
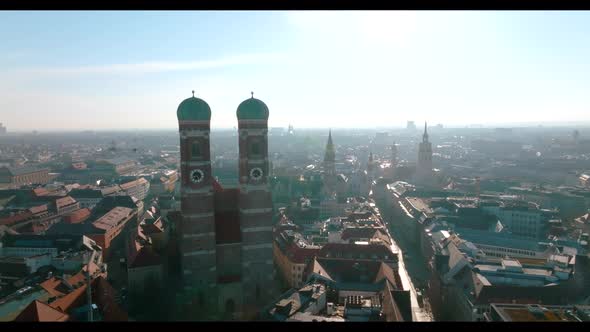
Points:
[129,70]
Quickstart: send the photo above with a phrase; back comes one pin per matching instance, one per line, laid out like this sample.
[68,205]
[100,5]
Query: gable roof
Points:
[86,193]
[25,170]
[348,270]
[104,296]
[64,201]
[38,311]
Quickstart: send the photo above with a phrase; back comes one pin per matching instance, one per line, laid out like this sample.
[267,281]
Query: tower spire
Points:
[330,155]
[193,93]
[425,136]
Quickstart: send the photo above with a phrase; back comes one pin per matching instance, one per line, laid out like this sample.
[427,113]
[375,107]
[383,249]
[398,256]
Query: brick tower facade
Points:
[197,243]
[255,203]
[226,233]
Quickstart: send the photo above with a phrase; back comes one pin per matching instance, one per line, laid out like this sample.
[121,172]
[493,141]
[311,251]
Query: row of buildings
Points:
[482,252]
[340,269]
[75,252]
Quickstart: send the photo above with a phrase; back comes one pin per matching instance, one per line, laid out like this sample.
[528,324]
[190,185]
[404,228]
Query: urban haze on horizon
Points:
[401,166]
[454,68]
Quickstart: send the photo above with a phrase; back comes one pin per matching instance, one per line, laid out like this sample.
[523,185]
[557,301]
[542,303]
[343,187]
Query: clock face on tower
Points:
[197,175]
[256,173]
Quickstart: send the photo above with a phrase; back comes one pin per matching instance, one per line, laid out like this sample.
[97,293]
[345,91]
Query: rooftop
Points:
[25,170]
[134,183]
[532,313]
[64,201]
[113,218]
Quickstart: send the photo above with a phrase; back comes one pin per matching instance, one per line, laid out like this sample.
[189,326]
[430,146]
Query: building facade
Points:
[139,188]
[17,177]
[226,242]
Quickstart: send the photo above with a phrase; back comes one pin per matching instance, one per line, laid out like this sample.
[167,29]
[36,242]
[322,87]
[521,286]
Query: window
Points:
[255,148]
[230,306]
[257,292]
[195,150]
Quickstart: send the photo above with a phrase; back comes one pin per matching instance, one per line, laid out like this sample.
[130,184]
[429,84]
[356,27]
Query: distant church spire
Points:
[330,155]
[330,152]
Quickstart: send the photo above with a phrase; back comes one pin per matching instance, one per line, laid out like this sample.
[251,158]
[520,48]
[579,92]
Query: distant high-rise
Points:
[393,155]
[575,135]
[393,163]
[290,130]
[411,125]
[2,129]
[371,167]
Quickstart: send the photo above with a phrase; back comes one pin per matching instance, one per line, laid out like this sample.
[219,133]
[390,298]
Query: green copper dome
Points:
[252,109]
[193,109]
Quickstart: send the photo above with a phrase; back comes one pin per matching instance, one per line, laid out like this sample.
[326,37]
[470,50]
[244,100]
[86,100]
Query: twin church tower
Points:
[226,233]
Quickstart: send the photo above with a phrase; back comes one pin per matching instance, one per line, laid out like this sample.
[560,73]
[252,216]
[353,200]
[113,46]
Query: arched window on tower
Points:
[201,299]
[230,307]
[195,150]
[255,149]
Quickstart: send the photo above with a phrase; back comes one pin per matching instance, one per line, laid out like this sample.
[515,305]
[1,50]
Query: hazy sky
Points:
[102,70]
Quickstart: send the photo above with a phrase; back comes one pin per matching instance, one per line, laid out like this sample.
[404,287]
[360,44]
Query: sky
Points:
[315,69]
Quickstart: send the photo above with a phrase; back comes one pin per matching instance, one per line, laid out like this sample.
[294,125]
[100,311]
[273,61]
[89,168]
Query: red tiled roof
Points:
[112,218]
[153,228]
[38,209]
[104,295]
[361,233]
[144,256]
[38,311]
[299,255]
[386,272]
[11,220]
[71,300]
[51,285]
[77,216]
[64,201]
[359,215]
[79,165]
[40,192]
[133,183]
[354,250]
[350,270]
[140,254]
[56,287]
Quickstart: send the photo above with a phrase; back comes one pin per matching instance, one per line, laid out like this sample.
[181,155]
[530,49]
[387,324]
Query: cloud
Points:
[154,66]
